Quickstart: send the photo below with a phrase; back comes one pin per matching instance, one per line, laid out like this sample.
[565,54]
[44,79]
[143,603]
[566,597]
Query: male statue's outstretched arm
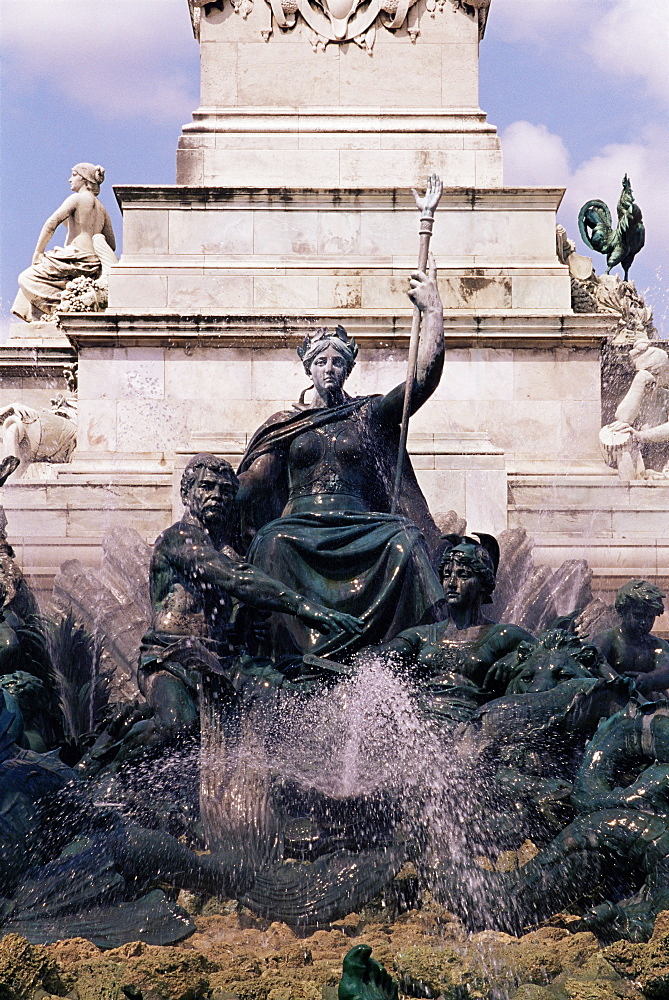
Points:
[192,555]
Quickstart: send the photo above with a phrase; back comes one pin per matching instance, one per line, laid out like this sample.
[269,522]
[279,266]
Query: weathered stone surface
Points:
[236,956]
[647,964]
[25,968]
[134,970]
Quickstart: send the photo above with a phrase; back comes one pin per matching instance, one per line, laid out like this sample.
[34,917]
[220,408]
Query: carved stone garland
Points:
[342,20]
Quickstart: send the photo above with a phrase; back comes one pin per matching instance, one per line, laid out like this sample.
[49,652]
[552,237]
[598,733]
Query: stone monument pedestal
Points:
[292,210]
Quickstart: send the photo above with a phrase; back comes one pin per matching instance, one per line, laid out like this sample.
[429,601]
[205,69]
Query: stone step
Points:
[586,493]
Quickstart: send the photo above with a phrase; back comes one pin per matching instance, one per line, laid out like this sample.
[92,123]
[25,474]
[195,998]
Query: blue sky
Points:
[579,90]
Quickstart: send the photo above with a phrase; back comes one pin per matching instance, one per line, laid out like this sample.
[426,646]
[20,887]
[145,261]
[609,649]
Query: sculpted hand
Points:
[621,426]
[423,290]
[325,620]
[647,683]
[433,189]
[499,674]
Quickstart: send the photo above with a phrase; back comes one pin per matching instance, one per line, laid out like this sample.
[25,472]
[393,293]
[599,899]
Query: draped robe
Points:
[372,564]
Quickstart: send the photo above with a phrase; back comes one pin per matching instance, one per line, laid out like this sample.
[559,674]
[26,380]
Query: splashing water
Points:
[356,761]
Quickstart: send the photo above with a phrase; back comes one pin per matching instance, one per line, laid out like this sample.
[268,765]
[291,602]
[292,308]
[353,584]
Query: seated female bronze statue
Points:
[317,483]
[459,663]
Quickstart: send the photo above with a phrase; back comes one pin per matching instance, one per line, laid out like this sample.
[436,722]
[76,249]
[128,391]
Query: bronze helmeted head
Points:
[480,553]
[320,339]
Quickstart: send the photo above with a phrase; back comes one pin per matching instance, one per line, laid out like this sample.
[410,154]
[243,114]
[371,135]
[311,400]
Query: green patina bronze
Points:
[316,493]
[364,978]
[630,649]
[619,245]
[464,660]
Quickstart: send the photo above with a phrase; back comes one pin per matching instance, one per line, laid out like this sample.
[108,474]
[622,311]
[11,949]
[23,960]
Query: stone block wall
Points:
[287,112]
[239,251]
[539,404]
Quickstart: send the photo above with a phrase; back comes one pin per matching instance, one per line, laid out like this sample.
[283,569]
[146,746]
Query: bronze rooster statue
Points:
[620,245]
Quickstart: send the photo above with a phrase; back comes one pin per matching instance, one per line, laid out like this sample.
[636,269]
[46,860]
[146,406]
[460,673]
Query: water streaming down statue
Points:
[195,575]
[315,487]
[72,867]
[462,661]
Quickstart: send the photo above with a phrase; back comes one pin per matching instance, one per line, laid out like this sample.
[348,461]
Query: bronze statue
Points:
[460,662]
[17,602]
[317,485]
[195,573]
[363,978]
[621,245]
[630,649]
[101,889]
[609,864]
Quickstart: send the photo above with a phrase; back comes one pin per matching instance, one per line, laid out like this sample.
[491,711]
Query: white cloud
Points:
[535,156]
[601,177]
[633,40]
[541,20]
[117,57]
[623,38]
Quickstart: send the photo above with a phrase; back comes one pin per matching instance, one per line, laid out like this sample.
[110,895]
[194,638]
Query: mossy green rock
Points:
[530,991]
[646,964]
[25,968]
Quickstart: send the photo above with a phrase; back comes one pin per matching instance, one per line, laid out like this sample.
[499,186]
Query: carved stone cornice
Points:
[336,21]
[35,362]
[292,120]
[181,195]
[381,329]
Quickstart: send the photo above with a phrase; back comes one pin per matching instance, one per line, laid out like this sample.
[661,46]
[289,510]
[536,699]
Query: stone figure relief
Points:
[342,20]
[605,293]
[29,434]
[333,21]
[642,416]
[87,256]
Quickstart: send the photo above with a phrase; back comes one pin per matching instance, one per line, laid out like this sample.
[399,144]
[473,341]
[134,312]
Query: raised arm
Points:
[424,293]
[51,225]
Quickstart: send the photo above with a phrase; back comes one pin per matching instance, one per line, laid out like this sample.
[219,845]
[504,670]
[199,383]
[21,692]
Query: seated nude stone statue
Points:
[642,416]
[630,649]
[38,435]
[195,575]
[89,246]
